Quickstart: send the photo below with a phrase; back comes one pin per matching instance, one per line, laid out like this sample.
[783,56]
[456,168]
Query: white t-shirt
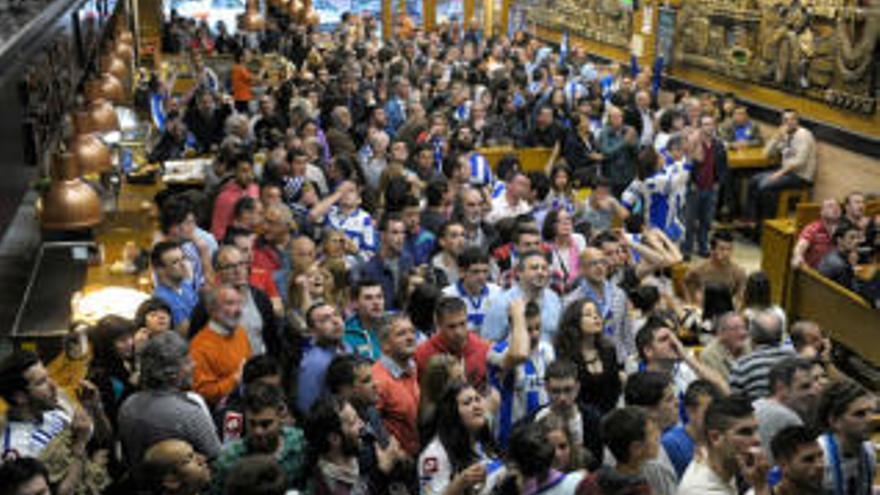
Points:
[435,469]
[699,479]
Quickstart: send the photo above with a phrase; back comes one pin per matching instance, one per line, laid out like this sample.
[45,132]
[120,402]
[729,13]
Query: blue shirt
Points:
[497,324]
[181,302]
[420,246]
[679,447]
[312,369]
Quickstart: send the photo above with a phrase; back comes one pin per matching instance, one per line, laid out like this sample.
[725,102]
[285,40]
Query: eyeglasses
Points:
[233,266]
[561,390]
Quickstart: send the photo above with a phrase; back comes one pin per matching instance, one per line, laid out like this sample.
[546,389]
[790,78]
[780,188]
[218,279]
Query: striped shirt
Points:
[478,306]
[28,439]
[522,388]
[480,170]
[357,225]
[750,374]
[662,198]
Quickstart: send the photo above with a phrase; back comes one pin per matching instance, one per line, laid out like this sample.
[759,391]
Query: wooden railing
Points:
[839,311]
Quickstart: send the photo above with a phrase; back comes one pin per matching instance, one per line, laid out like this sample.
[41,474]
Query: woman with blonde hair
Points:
[313,286]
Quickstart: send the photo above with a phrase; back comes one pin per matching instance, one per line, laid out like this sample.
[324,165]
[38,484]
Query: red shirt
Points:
[398,404]
[262,279]
[224,205]
[706,169]
[473,354]
[820,242]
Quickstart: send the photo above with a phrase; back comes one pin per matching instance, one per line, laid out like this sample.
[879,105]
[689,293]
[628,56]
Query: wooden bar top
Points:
[751,157]
[134,220]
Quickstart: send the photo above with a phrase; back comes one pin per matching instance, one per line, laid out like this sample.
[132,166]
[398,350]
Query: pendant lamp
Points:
[91,153]
[69,203]
[102,116]
[105,86]
[253,20]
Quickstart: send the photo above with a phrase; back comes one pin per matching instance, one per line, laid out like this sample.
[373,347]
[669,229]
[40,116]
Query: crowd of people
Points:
[374,309]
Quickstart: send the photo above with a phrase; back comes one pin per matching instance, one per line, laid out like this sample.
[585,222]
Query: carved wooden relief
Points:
[605,21]
[822,49]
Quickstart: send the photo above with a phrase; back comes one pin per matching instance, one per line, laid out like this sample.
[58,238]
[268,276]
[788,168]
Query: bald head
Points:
[594,265]
[174,466]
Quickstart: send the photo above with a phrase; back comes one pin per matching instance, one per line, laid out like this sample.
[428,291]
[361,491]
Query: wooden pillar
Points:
[468,14]
[429,11]
[387,18]
[648,39]
[504,17]
[488,17]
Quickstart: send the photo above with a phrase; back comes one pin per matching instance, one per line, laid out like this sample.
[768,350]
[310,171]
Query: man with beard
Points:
[793,399]
[800,460]
[478,165]
[163,408]
[350,379]
[205,120]
[733,448]
[257,318]
[220,350]
[333,430]
[242,184]
[469,211]
[845,414]
[36,415]
[534,278]
[265,434]
[326,327]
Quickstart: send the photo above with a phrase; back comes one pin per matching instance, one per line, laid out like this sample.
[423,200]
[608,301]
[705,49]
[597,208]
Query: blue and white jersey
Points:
[522,388]
[477,307]
[663,198]
[28,439]
[435,469]
[357,225]
[480,170]
[608,86]
[499,189]
[462,112]
[194,263]
[573,90]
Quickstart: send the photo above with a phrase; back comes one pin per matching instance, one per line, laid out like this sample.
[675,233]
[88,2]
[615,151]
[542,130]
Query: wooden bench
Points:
[783,205]
[839,311]
[531,159]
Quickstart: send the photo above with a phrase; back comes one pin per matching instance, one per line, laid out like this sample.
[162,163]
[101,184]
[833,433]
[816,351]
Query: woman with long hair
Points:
[113,369]
[442,370]
[459,458]
[566,245]
[580,340]
[568,454]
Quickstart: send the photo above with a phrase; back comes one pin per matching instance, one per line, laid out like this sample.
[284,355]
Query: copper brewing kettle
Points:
[92,154]
[105,86]
[295,9]
[102,116]
[113,64]
[69,203]
[124,49]
[253,20]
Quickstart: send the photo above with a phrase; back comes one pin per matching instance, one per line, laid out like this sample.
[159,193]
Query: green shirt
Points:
[291,458]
